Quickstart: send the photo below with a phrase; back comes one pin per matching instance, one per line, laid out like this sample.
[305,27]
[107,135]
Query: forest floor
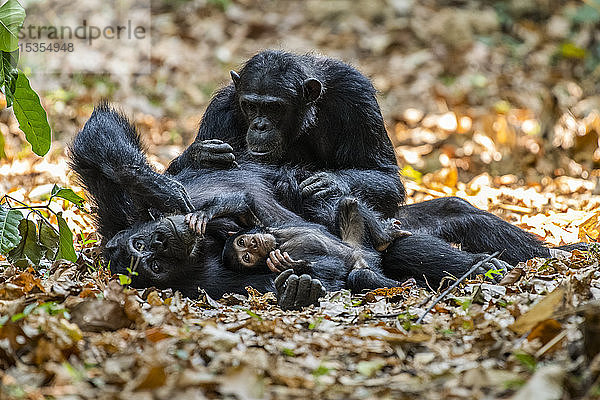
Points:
[503,112]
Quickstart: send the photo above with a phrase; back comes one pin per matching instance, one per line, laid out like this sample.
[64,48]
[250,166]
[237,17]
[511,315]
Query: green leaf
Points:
[315,323]
[321,370]
[527,360]
[66,251]
[26,311]
[491,272]
[31,116]
[370,368]
[9,229]
[254,315]
[29,249]
[2,153]
[570,50]
[69,195]
[288,352]
[12,16]
[124,279]
[409,172]
[49,240]
[9,74]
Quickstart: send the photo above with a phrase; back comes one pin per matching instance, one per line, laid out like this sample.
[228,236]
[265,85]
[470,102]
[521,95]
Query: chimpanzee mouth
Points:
[185,240]
[260,153]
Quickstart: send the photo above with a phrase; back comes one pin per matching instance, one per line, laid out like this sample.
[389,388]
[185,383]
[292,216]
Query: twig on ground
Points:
[455,284]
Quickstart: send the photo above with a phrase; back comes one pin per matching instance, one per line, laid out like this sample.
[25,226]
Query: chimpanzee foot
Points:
[393,230]
[157,191]
[295,292]
[496,267]
[351,223]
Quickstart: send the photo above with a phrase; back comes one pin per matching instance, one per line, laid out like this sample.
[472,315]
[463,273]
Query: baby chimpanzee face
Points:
[248,250]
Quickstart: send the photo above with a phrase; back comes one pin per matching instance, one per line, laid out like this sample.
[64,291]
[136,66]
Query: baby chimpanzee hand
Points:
[279,262]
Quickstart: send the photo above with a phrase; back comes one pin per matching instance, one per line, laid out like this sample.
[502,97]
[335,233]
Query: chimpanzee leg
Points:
[107,155]
[428,259]
[360,279]
[477,231]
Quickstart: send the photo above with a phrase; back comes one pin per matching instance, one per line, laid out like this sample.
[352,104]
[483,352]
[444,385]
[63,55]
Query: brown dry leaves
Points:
[119,343]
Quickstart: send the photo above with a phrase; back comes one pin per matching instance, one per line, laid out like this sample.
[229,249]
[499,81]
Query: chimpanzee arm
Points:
[366,278]
[250,209]
[217,280]
[221,122]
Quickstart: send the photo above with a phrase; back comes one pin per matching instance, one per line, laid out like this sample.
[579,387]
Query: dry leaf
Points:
[539,312]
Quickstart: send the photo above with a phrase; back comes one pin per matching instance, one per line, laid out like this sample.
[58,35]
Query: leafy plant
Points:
[15,85]
[28,241]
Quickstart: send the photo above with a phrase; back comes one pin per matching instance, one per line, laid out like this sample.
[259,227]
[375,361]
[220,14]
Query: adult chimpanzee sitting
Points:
[318,115]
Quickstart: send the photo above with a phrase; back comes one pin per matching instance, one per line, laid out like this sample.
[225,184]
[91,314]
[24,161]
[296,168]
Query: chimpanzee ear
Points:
[312,89]
[114,242]
[234,77]
[230,233]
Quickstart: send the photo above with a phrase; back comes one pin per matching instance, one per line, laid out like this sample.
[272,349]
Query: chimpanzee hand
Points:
[493,264]
[212,153]
[323,184]
[229,204]
[295,292]
[279,262]
[197,220]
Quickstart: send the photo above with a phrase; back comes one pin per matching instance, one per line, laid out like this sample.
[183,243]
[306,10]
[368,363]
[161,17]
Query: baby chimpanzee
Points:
[306,248]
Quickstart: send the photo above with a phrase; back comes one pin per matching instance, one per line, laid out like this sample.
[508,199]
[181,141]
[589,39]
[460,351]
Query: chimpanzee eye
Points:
[247,107]
[240,242]
[155,266]
[138,244]
[246,258]
[275,109]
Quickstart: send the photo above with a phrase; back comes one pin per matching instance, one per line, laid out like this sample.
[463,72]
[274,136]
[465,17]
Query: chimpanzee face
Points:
[154,252]
[253,248]
[266,116]
[273,111]
[248,250]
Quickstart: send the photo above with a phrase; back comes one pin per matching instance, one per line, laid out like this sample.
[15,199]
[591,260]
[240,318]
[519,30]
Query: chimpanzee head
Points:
[276,96]
[248,250]
[158,253]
